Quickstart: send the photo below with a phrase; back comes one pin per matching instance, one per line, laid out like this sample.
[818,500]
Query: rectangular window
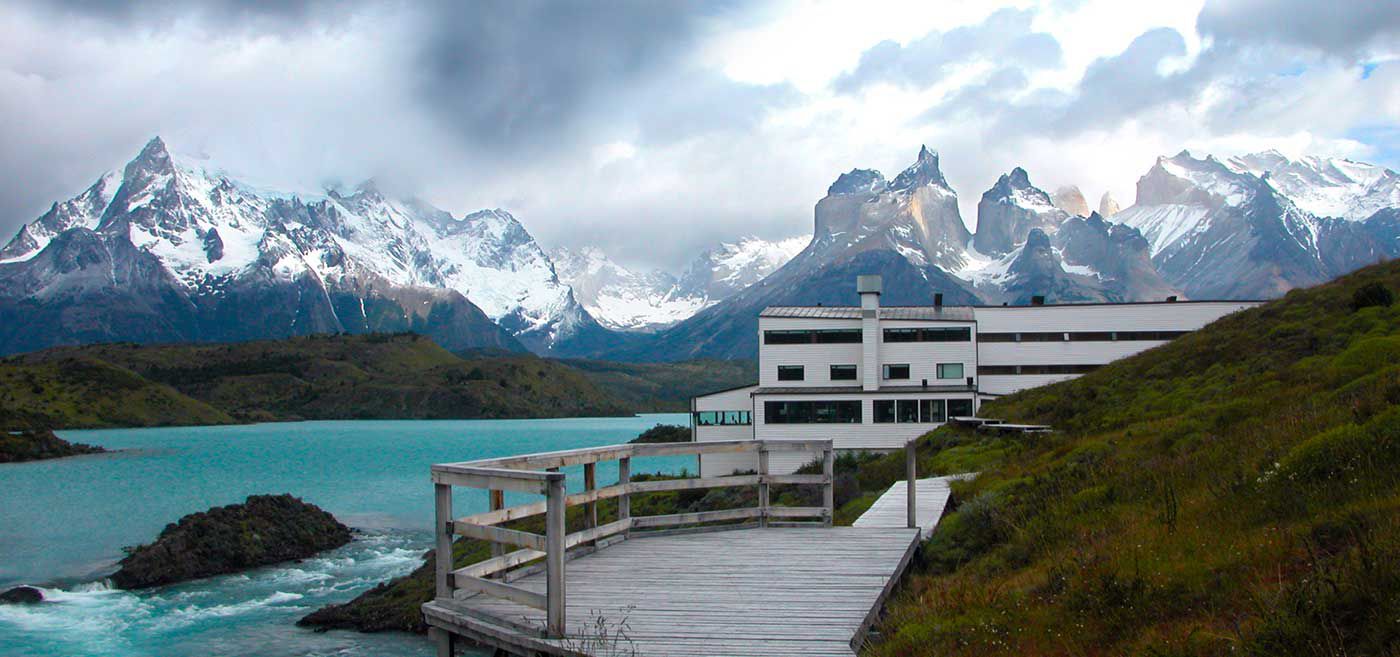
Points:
[819,336]
[843,372]
[993,370]
[790,373]
[812,412]
[884,411]
[935,334]
[907,411]
[950,370]
[996,337]
[931,410]
[959,408]
[895,372]
[722,418]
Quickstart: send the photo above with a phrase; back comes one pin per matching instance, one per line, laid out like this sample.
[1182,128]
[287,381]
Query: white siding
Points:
[1007,384]
[923,357]
[1184,316]
[815,359]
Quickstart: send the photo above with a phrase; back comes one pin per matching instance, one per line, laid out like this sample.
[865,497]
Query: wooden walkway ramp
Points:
[746,592]
[892,507]
[761,581]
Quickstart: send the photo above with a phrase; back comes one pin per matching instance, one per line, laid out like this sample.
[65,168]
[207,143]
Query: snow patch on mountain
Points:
[1326,187]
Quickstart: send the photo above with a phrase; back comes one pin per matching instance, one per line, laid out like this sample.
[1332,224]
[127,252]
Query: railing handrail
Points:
[537,474]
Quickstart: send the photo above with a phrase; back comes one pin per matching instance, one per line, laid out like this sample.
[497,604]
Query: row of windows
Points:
[848,411]
[960,334]
[820,336]
[892,372]
[920,410]
[993,370]
[812,412]
[1081,336]
[723,418]
[940,334]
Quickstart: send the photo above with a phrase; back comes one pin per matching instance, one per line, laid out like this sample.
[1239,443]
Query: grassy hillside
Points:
[1234,492]
[314,377]
[666,386]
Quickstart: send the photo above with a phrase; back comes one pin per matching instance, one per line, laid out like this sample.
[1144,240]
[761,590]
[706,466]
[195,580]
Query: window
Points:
[936,334]
[1081,336]
[950,370]
[884,411]
[931,410]
[996,337]
[893,372]
[991,370]
[822,336]
[959,407]
[722,418]
[843,372]
[812,412]
[994,370]
[790,373]
[906,410]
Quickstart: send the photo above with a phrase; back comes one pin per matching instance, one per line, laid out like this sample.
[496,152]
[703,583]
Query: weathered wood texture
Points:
[891,509]
[748,592]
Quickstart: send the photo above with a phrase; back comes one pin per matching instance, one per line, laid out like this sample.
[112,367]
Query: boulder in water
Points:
[23,595]
[264,530]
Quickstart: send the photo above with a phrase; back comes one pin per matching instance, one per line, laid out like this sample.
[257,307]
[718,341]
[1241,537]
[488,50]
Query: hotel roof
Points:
[934,313]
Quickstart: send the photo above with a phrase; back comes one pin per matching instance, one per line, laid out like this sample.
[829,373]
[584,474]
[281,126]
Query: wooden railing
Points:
[538,474]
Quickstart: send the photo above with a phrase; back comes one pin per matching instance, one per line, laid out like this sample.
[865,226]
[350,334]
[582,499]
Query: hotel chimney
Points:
[869,289]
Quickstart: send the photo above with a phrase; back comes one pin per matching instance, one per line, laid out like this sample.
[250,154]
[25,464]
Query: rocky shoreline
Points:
[17,446]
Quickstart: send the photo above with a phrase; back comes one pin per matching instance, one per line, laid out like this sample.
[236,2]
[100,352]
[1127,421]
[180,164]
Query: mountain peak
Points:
[924,171]
[1019,177]
[153,158]
[858,181]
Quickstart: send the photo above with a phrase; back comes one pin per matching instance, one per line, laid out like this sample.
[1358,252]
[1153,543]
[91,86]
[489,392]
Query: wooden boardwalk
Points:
[891,509]
[745,592]
[755,581]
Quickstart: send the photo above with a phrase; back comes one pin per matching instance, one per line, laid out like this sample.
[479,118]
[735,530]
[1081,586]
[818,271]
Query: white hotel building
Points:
[872,378]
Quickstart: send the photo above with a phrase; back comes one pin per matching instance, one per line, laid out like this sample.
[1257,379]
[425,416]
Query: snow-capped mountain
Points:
[1218,230]
[1325,187]
[1010,209]
[623,299]
[217,250]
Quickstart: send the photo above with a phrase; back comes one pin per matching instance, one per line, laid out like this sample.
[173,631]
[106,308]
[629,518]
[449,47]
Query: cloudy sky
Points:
[654,129]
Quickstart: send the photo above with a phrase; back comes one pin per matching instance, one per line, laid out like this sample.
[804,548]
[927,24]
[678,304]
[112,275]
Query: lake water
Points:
[63,524]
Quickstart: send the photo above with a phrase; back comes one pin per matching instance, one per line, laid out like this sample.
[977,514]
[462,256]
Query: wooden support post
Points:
[555,533]
[829,487]
[624,501]
[443,639]
[442,494]
[911,475]
[590,483]
[763,486]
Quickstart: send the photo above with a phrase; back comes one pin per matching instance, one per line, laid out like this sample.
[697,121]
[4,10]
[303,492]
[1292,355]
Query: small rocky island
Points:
[263,530]
[17,445]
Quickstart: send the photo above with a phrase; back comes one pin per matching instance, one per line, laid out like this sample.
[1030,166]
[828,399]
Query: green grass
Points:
[668,387]
[1236,491]
[376,376]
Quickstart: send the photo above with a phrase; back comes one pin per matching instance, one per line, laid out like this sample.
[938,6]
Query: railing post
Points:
[763,485]
[498,502]
[590,483]
[442,494]
[554,556]
[829,485]
[910,475]
[624,501]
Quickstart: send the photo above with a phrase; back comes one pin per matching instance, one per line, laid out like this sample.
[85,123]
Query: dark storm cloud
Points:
[1345,29]
[1005,37]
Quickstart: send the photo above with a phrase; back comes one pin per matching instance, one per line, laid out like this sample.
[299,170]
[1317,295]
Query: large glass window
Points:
[790,373]
[906,410]
[950,370]
[884,411]
[843,372]
[818,336]
[934,334]
[959,407]
[893,372]
[812,412]
[931,410]
[1081,336]
[722,418]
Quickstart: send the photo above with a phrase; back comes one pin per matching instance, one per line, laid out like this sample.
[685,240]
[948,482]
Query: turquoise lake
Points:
[63,524]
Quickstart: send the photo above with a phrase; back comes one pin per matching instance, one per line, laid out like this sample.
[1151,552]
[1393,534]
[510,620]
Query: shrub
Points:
[1371,294]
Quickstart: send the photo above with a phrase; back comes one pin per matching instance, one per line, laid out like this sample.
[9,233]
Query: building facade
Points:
[872,378]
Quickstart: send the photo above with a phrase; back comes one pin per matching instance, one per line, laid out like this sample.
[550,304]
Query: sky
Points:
[656,129]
